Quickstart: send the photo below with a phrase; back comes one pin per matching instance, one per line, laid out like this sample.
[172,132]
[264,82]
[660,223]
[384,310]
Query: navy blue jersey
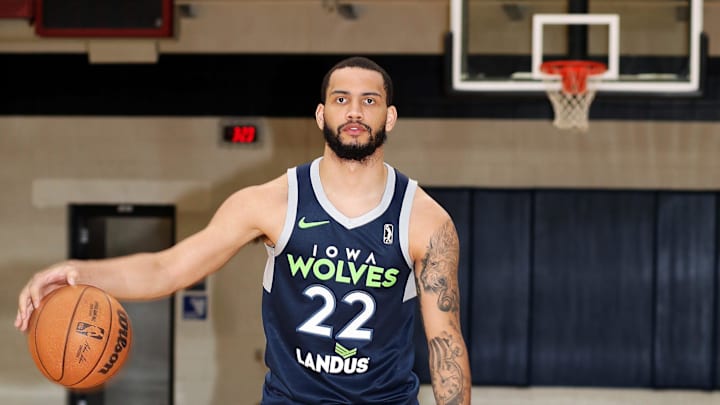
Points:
[339,299]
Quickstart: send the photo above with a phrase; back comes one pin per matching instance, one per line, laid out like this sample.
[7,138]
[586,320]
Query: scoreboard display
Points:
[104,18]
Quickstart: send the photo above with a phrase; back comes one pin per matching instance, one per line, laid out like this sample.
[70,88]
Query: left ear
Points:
[391,118]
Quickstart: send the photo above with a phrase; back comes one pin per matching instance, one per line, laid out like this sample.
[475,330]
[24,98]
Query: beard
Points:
[354,152]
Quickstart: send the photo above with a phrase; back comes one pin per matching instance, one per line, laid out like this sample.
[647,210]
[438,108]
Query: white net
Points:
[571,109]
[571,88]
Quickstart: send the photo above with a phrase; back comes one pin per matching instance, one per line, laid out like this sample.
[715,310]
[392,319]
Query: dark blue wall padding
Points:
[684,332]
[500,287]
[588,288]
[592,288]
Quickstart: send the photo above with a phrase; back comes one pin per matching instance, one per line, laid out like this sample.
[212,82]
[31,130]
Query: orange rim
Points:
[574,73]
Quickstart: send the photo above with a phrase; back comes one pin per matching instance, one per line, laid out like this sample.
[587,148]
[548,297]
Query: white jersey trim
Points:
[269,272]
[284,237]
[404,223]
[338,216]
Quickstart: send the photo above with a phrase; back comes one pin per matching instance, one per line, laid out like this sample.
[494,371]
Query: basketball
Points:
[80,336]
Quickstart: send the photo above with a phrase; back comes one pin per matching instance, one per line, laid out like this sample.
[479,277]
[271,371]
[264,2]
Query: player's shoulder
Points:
[265,195]
[277,187]
[425,208]
[427,215]
[428,221]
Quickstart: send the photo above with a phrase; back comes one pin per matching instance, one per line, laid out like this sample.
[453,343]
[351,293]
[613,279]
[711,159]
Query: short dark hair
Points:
[358,62]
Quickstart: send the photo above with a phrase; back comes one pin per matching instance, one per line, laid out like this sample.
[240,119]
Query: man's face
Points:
[355,116]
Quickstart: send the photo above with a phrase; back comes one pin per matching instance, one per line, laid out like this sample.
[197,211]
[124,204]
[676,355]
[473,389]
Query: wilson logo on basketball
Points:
[121,343]
[89,330]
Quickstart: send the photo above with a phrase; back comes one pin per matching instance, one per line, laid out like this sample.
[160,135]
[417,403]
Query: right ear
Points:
[320,115]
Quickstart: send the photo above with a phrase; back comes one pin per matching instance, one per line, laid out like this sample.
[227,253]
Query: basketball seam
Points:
[35,342]
[92,369]
[67,334]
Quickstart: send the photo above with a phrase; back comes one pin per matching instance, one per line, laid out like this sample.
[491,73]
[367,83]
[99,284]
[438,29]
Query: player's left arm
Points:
[435,251]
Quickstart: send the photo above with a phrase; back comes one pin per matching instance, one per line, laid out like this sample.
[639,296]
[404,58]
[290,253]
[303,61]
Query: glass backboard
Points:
[650,46]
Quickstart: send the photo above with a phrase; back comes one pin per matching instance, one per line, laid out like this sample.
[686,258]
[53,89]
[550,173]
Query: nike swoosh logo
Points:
[305,225]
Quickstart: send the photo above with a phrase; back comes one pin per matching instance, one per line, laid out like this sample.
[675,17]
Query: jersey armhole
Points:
[284,237]
[290,213]
[404,224]
[404,221]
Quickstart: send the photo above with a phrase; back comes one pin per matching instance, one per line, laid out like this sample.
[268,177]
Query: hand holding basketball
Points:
[41,284]
[79,337]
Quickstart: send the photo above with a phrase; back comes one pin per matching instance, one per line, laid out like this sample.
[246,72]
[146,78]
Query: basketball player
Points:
[353,246]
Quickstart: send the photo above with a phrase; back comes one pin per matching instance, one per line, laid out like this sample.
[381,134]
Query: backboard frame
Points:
[533,84]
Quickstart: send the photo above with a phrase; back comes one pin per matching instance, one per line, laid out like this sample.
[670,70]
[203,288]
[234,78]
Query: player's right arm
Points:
[246,215]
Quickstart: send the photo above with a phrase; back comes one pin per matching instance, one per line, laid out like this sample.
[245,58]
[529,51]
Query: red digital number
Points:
[243,134]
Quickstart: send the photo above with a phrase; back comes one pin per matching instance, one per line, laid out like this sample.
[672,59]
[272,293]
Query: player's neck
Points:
[352,172]
[363,182]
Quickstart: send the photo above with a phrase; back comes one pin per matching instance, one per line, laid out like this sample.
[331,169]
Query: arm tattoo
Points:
[439,267]
[447,374]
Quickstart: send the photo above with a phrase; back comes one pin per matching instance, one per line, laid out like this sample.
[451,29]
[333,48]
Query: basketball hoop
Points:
[571,87]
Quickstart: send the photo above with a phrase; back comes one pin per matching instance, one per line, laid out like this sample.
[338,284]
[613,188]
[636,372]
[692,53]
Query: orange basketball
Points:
[79,337]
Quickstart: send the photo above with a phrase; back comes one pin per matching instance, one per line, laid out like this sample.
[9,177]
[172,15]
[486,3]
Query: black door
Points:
[102,231]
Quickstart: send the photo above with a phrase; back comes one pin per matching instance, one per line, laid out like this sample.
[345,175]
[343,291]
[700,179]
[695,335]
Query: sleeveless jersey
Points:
[339,299]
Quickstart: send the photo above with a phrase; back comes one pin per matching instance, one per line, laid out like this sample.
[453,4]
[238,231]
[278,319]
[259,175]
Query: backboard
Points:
[651,47]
